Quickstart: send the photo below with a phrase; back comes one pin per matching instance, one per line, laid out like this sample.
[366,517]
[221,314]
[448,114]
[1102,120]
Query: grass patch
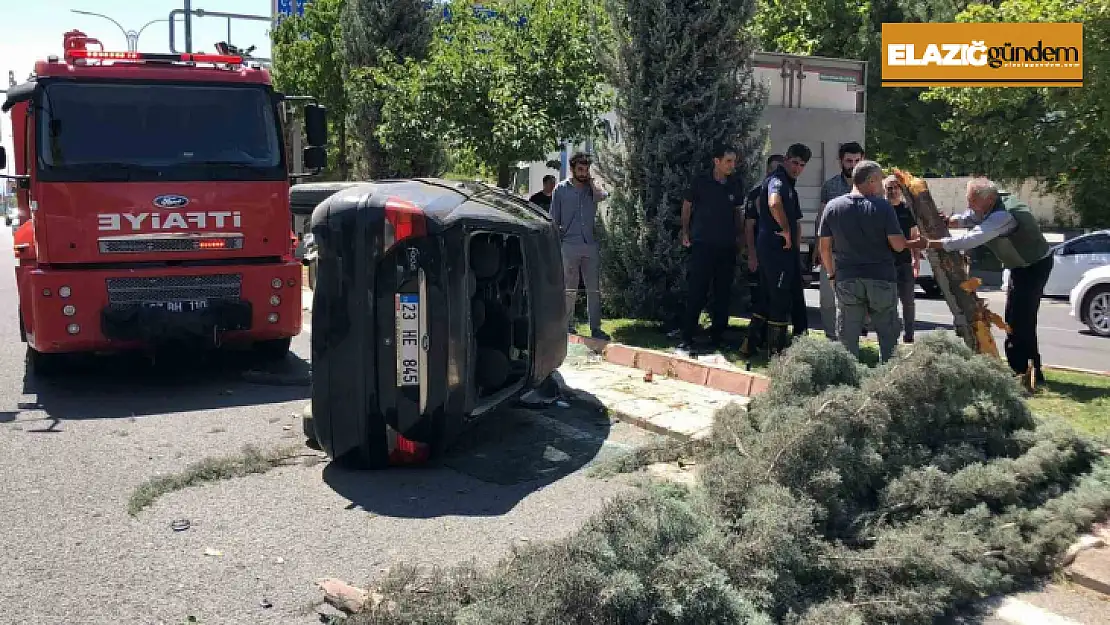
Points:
[651,335]
[1082,399]
[249,461]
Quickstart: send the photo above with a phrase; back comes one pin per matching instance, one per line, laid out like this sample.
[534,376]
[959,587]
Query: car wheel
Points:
[44,365]
[932,289]
[273,350]
[1096,310]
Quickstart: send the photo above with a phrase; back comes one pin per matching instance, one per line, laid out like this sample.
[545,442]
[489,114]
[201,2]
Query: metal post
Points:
[188,26]
[296,141]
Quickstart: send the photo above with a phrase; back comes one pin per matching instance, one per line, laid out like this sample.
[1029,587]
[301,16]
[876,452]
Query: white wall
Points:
[949,195]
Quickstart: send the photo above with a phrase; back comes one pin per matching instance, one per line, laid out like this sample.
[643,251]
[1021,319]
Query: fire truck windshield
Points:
[134,132]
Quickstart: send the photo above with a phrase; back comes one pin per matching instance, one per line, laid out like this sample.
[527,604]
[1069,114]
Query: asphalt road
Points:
[1063,340]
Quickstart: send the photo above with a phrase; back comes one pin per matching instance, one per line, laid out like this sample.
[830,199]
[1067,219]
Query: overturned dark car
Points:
[435,302]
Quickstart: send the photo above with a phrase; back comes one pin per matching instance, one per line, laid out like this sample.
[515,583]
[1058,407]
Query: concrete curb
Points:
[1087,561]
[732,381]
[646,424]
[1077,370]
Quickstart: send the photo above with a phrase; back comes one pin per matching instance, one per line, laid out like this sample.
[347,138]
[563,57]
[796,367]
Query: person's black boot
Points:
[754,339]
[777,339]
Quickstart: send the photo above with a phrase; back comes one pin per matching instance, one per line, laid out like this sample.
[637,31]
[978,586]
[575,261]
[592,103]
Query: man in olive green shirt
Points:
[1005,226]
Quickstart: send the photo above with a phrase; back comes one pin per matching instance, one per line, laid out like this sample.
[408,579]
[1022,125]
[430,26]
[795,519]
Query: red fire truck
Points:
[153,199]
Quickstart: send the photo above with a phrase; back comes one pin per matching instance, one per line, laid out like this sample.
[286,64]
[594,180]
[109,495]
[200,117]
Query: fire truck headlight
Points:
[73,328]
[64,291]
[69,310]
[276,283]
[272,318]
[275,300]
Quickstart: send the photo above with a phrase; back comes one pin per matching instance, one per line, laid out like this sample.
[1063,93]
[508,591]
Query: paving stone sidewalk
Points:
[657,403]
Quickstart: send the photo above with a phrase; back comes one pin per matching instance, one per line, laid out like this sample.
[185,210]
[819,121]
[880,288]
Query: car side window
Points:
[1094,244]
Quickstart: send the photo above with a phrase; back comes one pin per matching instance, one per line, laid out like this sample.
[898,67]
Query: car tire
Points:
[1096,310]
[274,349]
[44,365]
[932,289]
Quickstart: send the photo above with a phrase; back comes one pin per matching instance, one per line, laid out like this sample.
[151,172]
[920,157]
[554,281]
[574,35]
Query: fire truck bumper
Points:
[174,321]
[107,310]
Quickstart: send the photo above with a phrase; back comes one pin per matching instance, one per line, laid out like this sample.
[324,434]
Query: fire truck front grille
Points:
[134,245]
[123,291]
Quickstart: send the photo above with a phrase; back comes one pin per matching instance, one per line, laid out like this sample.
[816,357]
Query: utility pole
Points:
[188,26]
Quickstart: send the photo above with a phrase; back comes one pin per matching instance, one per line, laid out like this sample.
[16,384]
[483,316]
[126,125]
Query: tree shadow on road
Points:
[508,455]
[131,385]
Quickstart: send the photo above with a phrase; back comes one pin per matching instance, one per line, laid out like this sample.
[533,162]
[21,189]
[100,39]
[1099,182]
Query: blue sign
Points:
[286,8]
[481,12]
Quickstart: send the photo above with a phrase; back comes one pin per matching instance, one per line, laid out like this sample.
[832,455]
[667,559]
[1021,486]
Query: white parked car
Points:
[1071,260]
[1090,300]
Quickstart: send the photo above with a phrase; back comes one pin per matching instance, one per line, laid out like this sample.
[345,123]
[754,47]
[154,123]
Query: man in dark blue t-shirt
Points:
[777,245]
[757,328]
[711,221]
[860,234]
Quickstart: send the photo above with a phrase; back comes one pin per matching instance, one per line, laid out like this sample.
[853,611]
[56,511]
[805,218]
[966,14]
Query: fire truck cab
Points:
[153,202]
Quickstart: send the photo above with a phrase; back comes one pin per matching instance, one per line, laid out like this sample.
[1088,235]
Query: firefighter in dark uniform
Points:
[777,243]
[757,329]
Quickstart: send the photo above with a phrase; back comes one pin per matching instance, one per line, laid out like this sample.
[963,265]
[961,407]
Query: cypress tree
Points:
[683,79]
[377,34]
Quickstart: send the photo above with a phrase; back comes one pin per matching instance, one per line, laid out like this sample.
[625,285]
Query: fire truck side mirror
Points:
[316,125]
[3,158]
[315,158]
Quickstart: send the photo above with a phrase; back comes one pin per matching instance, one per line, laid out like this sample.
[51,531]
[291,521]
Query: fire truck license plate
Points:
[179,306]
[408,339]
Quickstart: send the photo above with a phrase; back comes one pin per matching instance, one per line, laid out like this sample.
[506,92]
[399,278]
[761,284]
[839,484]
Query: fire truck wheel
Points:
[41,364]
[273,350]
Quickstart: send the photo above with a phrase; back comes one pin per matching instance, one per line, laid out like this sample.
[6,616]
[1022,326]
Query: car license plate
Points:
[408,339]
[179,306]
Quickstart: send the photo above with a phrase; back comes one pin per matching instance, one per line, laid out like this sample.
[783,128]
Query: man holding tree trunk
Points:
[1005,226]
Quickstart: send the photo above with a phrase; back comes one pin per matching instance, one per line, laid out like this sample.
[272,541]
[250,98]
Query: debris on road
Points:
[215,553]
[250,461]
[180,525]
[343,596]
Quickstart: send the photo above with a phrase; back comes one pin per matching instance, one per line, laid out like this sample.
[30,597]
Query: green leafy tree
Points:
[377,35]
[1058,136]
[308,60]
[683,79]
[502,88]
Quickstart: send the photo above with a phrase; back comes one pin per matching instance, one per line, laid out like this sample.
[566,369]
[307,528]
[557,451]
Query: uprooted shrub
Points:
[843,495]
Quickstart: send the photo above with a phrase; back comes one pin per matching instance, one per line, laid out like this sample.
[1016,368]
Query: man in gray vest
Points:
[574,211]
[1005,226]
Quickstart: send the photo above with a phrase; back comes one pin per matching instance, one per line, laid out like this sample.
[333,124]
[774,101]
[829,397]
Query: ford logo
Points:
[170,201]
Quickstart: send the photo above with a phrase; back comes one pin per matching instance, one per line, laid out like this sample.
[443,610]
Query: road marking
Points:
[1021,613]
[948,319]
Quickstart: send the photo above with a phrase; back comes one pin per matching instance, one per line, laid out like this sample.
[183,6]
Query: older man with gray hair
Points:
[859,235]
[1005,226]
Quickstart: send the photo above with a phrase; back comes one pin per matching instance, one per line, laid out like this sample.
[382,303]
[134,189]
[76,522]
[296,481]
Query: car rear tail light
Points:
[405,451]
[403,220]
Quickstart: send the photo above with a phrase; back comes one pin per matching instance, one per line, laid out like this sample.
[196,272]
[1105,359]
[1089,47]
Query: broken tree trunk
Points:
[971,317]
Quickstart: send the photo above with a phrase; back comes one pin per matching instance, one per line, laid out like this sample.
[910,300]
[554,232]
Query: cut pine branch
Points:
[971,317]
